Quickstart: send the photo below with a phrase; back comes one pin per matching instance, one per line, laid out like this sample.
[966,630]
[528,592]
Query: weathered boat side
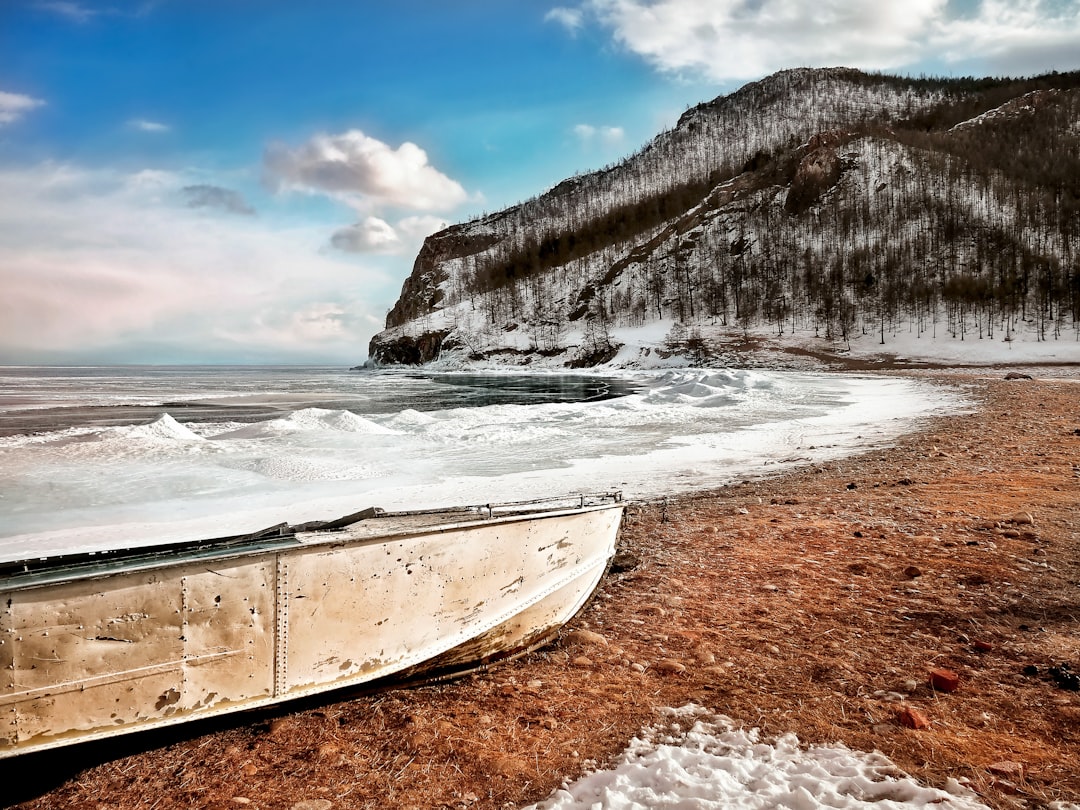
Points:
[107,646]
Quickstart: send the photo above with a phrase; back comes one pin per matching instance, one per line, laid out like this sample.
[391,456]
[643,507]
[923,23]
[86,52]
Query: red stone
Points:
[944,680]
[1013,770]
[982,646]
[912,718]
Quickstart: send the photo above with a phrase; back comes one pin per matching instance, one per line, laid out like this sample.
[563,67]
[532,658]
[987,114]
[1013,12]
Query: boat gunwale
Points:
[91,566]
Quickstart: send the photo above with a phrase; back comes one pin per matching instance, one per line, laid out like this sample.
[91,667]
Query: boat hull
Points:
[114,651]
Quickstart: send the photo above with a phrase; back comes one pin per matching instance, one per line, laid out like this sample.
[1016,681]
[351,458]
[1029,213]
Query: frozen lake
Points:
[99,457]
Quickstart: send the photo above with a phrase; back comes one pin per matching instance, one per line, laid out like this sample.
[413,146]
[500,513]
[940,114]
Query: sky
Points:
[248,181]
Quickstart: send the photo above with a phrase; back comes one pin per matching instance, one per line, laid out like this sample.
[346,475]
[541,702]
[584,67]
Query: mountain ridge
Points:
[764,206]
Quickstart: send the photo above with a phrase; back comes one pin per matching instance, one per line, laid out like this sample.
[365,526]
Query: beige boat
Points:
[100,644]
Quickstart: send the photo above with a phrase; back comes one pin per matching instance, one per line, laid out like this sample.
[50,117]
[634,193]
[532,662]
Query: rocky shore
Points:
[921,600]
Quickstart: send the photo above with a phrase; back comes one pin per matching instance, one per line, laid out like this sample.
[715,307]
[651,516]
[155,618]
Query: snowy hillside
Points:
[821,209]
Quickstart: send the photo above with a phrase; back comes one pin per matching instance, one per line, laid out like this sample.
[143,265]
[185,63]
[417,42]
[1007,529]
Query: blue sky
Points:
[250,180]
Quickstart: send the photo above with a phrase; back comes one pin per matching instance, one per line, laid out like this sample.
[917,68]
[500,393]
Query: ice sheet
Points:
[85,488]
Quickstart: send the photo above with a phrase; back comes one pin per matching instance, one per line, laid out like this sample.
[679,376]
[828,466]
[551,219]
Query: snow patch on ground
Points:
[699,760]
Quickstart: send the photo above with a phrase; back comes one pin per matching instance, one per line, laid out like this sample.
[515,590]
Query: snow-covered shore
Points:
[663,345]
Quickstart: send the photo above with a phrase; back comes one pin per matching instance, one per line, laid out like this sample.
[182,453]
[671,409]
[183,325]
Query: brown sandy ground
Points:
[815,602]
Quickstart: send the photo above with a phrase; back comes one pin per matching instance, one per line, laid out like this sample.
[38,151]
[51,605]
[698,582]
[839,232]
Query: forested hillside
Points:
[825,202]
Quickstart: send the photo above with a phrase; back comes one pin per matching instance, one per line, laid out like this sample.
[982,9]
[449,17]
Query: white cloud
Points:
[363,172]
[418,228]
[721,40]
[95,262]
[570,18]
[14,106]
[375,235]
[76,12]
[370,235]
[608,136]
[1027,36]
[143,125]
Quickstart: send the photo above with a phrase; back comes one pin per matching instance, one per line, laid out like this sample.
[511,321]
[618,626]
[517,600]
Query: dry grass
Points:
[793,604]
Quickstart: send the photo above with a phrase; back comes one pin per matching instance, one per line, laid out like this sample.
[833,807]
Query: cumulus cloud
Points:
[206,196]
[371,235]
[143,125]
[722,40]
[375,235]
[363,172]
[97,263]
[570,18]
[14,106]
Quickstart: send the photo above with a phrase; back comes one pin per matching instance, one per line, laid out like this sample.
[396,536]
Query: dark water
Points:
[37,399]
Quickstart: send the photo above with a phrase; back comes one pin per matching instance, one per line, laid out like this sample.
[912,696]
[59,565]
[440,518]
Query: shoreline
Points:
[806,602]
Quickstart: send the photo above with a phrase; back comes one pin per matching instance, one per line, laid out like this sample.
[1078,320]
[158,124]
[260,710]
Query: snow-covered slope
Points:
[823,203]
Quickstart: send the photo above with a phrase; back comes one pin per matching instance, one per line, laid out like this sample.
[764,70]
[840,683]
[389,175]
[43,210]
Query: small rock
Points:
[1022,519]
[982,646]
[912,718]
[853,485]
[910,685]
[549,723]
[586,637]
[912,571]
[944,680]
[669,666]
[1016,375]
[249,769]
[704,656]
[240,800]
[624,561]
[534,684]
[327,750]
[889,697]
[582,661]
[1013,770]
[1031,671]
[313,804]
[637,667]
